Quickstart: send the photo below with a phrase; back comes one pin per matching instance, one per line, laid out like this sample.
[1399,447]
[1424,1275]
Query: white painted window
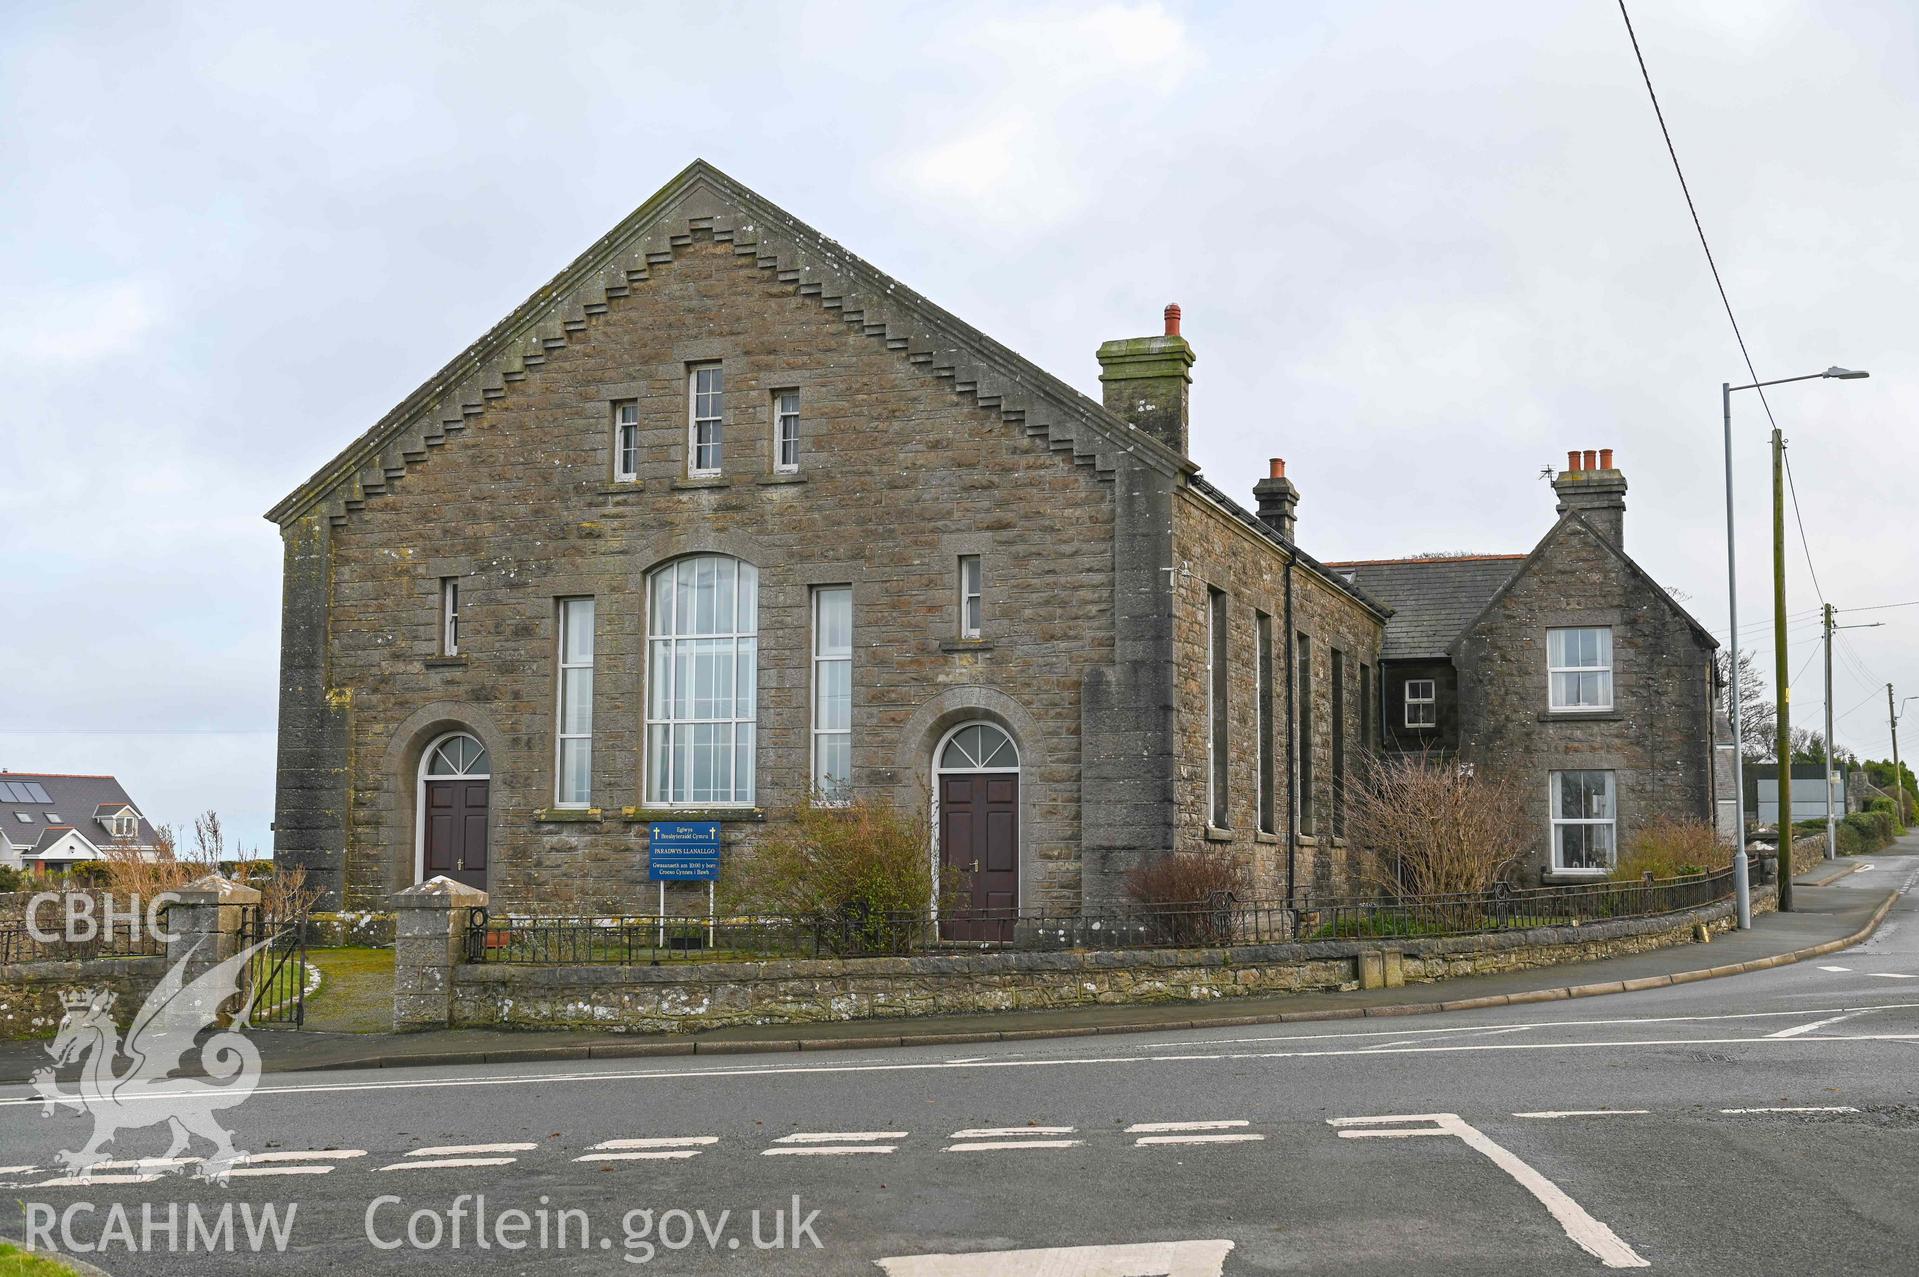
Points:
[971,596]
[626,440]
[832,692]
[1422,702]
[450,616]
[702,674]
[1579,668]
[786,432]
[574,768]
[1584,820]
[706,394]
[1216,721]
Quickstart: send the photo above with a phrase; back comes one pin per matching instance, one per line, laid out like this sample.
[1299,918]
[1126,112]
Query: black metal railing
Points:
[61,930]
[651,939]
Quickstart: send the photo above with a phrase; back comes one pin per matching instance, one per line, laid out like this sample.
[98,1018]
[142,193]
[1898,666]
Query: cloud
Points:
[74,325]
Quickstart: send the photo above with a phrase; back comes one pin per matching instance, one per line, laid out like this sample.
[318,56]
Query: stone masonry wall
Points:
[899,476]
[1658,737]
[1221,553]
[696,996]
[30,992]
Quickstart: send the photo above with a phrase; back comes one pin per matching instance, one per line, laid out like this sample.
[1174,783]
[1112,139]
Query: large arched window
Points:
[702,657]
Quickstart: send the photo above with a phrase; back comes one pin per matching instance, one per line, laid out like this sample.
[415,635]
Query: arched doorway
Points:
[455,777]
[976,828]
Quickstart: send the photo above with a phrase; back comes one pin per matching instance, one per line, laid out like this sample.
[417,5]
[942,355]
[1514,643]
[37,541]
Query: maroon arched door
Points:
[455,792]
[976,780]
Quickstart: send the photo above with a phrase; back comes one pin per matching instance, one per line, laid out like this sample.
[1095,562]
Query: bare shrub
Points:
[1187,877]
[862,856]
[1668,847]
[1431,826]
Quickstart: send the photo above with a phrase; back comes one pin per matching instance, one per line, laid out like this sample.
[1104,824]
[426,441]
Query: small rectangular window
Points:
[971,584]
[450,616]
[706,432]
[1583,820]
[574,770]
[1307,736]
[1263,680]
[786,432]
[1216,728]
[1579,668]
[626,440]
[1422,703]
[832,693]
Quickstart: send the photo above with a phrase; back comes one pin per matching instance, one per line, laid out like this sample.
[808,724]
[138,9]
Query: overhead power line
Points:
[1798,518]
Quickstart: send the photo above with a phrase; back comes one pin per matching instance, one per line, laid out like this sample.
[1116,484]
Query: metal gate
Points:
[276,971]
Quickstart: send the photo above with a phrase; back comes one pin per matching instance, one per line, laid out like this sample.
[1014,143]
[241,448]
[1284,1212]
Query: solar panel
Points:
[14,793]
[39,795]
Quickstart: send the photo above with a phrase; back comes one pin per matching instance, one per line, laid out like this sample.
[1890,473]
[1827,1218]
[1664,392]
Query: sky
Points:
[1422,250]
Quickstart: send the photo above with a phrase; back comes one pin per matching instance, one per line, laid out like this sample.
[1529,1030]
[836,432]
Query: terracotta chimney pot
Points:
[1172,319]
[1592,460]
[1572,459]
[1276,468]
[1605,458]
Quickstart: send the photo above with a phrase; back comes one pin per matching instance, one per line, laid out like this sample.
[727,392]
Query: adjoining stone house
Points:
[1568,671]
[723,517]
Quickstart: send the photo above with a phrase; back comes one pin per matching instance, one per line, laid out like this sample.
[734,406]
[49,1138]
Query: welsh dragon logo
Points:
[145,1093]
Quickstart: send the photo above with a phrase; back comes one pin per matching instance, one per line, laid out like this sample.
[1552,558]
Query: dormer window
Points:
[1421,702]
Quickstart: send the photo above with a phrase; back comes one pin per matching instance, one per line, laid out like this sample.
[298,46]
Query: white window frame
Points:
[823,657]
[449,616]
[1605,668]
[1430,700]
[662,780]
[786,432]
[626,440]
[695,420]
[1609,821]
[572,612]
[972,596]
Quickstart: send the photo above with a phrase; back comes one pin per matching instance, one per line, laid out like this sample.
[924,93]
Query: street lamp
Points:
[1741,890]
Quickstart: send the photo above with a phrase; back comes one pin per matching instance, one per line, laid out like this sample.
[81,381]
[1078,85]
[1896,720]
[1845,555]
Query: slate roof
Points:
[1433,600]
[77,801]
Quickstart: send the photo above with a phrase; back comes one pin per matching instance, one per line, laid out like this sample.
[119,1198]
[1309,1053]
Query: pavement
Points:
[1756,1124]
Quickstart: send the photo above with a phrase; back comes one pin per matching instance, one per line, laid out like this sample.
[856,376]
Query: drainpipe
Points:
[1292,722]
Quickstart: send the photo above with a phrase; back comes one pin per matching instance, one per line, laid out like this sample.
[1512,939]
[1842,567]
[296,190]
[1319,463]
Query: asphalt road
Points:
[1764,1123]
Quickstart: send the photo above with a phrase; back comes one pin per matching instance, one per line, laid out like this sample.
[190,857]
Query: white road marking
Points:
[1007,1132]
[1586,1113]
[694,1074]
[245,1172]
[983,1146]
[659,1141]
[837,1137]
[832,1143]
[647,1155]
[88,1181]
[300,1155]
[450,1163]
[1801,1108]
[1835,968]
[462,1150]
[827,1150]
[18,1170]
[1798,1029]
[1586,1232]
[1161,1128]
[145,1164]
[1893,975]
[1162,1259]
[1241,1138]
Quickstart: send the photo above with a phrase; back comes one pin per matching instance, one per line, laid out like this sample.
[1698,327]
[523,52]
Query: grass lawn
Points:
[355,994]
[15,1262]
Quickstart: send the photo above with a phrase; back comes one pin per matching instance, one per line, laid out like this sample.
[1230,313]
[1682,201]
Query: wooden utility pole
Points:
[1780,671]
[1898,776]
[1832,820]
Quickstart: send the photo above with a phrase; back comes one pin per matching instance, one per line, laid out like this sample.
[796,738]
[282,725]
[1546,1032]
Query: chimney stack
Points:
[1590,485]
[1278,499]
[1144,380]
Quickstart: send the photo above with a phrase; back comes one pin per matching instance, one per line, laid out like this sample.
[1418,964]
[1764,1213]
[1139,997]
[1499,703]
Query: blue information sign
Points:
[683,851]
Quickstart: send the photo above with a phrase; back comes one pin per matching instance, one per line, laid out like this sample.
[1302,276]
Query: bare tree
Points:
[1431,826]
[1758,720]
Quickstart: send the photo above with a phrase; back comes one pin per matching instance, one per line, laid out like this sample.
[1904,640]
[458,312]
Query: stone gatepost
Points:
[429,941]
[205,925]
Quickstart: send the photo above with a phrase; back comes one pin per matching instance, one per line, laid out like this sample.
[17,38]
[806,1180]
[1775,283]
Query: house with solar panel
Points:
[1568,671]
[53,821]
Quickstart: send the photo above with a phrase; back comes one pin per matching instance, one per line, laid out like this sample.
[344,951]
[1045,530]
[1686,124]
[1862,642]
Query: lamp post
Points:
[1741,890]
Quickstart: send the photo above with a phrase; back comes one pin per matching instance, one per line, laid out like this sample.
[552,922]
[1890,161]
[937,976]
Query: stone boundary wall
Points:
[30,992]
[706,995]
